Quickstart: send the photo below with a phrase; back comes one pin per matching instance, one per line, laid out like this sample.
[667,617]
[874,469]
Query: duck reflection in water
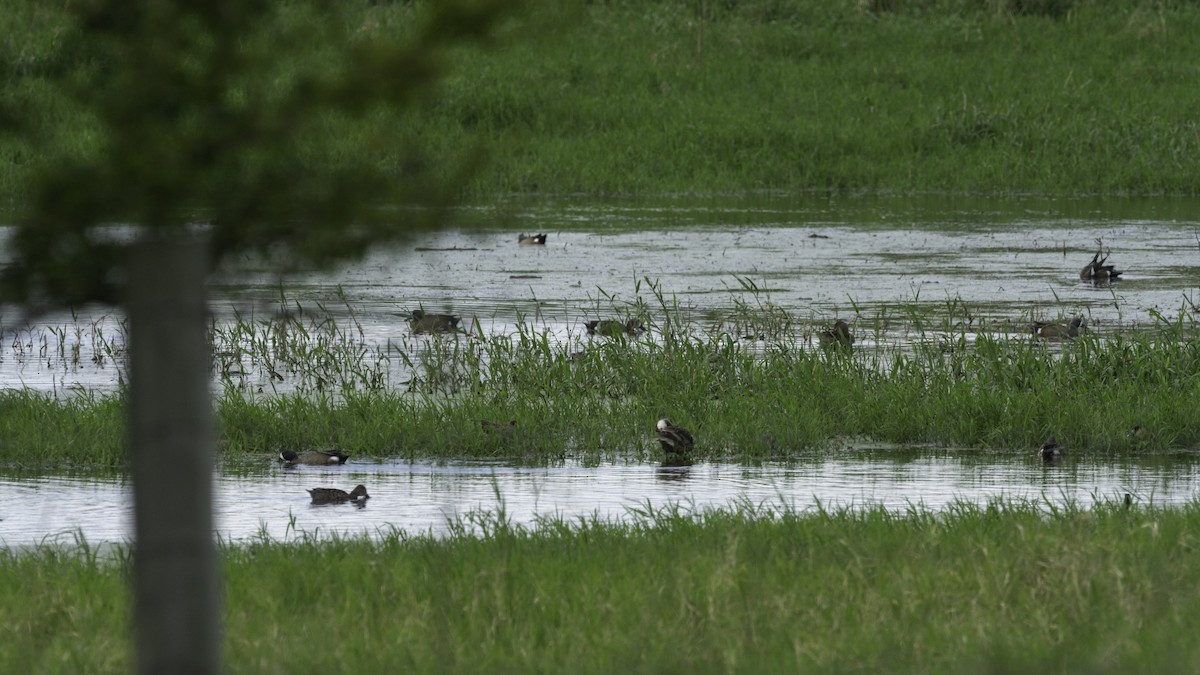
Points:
[673,472]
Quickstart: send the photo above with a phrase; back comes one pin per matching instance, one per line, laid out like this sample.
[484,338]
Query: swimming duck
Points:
[1058,331]
[336,496]
[676,441]
[838,336]
[313,458]
[614,328]
[1051,452]
[531,239]
[1096,271]
[420,322]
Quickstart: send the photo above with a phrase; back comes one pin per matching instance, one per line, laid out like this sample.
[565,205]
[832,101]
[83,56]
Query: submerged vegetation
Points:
[752,382]
[997,587]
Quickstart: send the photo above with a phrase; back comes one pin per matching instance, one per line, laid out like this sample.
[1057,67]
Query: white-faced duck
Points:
[531,239]
[313,458]
[336,496]
[420,322]
[1051,452]
[613,328]
[676,442]
[1059,331]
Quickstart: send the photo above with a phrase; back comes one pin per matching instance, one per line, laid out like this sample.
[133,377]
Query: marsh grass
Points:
[996,587]
[767,390]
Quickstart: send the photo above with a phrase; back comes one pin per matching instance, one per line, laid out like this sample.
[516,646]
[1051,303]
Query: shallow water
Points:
[424,497]
[1009,261]
[819,258]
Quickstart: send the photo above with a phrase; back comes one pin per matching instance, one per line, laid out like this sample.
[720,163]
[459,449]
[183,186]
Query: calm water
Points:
[819,258]
[427,498]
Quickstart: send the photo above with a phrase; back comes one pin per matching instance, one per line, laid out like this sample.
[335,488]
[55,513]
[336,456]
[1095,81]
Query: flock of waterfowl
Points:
[677,442]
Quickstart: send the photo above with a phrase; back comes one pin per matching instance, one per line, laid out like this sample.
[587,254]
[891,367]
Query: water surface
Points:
[424,497]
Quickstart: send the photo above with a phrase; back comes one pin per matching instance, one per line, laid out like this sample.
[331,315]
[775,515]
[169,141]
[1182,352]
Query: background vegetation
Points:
[1051,96]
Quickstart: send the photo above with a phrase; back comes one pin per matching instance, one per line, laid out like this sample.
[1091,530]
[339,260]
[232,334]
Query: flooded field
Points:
[872,262]
[883,265]
[429,498]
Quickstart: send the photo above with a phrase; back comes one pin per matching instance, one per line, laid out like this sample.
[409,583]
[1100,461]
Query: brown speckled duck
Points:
[531,239]
[838,336]
[502,430]
[336,496]
[313,458]
[614,328]
[1058,331]
[420,322]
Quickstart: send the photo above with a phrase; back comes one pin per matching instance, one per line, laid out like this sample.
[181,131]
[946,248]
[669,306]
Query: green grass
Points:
[745,400]
[1001,587]
[1060,97]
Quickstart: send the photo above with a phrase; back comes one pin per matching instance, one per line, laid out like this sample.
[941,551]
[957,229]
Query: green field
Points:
[1061,97]
[989,589]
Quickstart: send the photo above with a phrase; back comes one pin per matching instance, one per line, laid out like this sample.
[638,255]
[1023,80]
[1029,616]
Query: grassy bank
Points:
[768,398]
[995,588]
[1059,96]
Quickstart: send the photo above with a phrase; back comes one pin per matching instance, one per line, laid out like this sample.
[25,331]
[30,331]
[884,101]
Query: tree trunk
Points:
[176,594]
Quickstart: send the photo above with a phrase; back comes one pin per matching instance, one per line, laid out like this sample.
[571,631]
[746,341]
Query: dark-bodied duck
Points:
[313,458]
[531,239]
[336,496]
[420,322]
[1051,452]
[1058,331]
[838,336]
[1098,272]
[676,441]
[614,328]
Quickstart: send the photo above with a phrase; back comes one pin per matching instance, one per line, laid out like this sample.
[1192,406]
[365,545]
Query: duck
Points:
[1051,452]
[313,458]
[531,239]
[1058,331]
[1096,271]
[335,496]
[676,442]
[505,430]
[614,328]
[420,322]
[838,336]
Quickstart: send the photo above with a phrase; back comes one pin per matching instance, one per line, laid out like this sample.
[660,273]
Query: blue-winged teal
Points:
[420,322]
[838,336]
[336,496]
[614,328]
[1096,271]
[531,239]
[1058,331]
[313,458]
[676,441]
[1051,452]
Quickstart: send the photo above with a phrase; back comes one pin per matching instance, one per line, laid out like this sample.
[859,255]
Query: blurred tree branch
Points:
[271,126]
